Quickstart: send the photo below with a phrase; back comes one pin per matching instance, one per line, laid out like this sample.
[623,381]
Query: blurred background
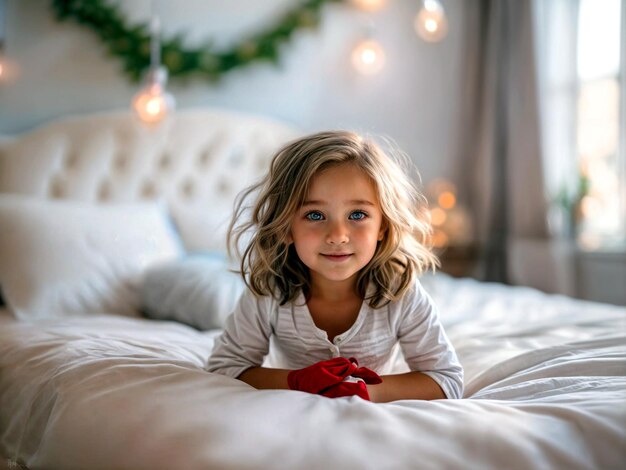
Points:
[511,110]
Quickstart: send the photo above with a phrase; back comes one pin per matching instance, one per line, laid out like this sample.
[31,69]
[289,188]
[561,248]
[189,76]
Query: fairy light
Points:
[368,57]
[431,23]
[438,216]
[447,200]
[450,220]
[369,5]
[153,103]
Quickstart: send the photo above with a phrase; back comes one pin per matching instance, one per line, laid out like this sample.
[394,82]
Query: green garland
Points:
[131,43]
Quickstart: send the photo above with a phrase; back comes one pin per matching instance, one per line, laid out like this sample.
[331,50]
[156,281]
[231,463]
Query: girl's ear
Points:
[289,239]
[383,231]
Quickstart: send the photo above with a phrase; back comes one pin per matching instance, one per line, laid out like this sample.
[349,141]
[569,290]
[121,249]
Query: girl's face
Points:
[336,230]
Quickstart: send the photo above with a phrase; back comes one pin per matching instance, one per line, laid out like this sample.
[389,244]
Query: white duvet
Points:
[545,389]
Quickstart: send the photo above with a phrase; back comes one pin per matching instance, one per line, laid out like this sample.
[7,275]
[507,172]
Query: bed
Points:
[115,285]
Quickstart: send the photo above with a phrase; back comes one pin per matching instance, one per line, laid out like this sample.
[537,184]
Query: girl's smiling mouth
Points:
[336,256]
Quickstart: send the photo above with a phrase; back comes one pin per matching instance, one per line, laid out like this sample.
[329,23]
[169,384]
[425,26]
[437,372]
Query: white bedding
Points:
[545,388]
[545,376]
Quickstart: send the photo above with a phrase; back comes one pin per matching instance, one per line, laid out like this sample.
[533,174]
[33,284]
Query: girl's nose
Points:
[337,233]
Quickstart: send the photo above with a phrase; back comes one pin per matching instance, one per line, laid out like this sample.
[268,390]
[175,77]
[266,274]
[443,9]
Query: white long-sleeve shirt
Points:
[262,332]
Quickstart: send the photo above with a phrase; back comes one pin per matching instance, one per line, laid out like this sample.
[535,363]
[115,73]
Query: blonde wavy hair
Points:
[264,212]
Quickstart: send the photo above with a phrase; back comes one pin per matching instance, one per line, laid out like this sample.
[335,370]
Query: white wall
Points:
[64,69]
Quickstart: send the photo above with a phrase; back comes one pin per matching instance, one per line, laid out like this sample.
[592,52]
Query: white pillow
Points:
[203,229]
[200,290]
[63,258]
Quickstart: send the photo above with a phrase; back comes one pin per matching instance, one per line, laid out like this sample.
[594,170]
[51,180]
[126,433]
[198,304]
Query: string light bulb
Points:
[153,103]
[368,57]
[369,5]
[451,221]
[431,23]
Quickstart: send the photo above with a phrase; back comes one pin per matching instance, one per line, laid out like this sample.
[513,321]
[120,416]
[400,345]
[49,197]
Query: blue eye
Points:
[314,215]
[357,215]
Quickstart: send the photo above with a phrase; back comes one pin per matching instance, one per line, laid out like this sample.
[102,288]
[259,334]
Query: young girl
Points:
[337,236]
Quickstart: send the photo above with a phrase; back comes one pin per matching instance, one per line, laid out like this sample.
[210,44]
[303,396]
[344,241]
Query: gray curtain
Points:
[500,147]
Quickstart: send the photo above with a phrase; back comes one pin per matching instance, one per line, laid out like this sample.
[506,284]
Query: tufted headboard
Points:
[196,162]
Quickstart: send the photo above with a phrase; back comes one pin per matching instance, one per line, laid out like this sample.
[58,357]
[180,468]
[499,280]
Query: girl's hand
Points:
[334,378]
[321,375]
[350,386]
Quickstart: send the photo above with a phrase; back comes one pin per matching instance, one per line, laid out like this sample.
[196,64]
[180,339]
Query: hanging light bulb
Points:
[369,5]
[153,103]
[431,23]
[368,57]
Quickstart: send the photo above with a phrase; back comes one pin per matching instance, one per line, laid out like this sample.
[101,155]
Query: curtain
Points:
[500,150]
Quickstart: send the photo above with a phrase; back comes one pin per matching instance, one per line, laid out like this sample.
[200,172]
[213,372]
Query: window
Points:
[581,77]
[600,155]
